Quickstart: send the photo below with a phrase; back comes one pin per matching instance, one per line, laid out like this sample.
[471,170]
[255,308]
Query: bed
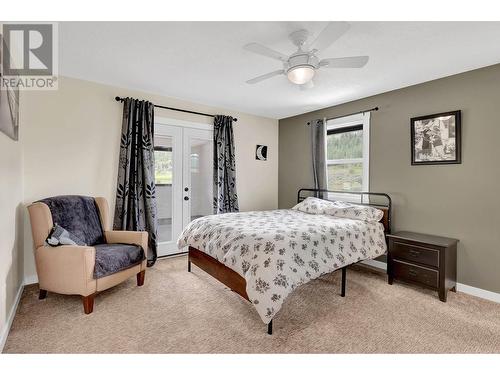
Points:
[265,255]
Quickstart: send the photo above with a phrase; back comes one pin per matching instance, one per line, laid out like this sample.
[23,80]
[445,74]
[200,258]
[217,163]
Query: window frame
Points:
[162,148]
[344,124]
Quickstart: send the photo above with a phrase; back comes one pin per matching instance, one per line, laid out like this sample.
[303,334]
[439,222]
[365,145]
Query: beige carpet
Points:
[181,312]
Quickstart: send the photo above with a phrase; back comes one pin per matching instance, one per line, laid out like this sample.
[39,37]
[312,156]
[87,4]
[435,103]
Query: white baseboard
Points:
[375,263]
[481,293]
[467,289]
[10,318]
[32,279]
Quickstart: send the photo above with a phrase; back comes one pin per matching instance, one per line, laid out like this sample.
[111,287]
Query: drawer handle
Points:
[414,253]
[412,272]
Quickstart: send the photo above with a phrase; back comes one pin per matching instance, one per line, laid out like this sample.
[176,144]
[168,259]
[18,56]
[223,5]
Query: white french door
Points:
[183,174]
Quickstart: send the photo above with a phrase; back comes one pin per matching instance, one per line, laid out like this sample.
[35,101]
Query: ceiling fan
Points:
[300,67]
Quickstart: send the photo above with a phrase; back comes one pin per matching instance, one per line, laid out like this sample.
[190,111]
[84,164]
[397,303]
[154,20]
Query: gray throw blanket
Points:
[77,222]
[78,215]
[114,257]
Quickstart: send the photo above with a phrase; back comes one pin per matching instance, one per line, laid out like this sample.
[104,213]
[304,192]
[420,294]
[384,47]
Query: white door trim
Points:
[181,133]
[175,133]
[187,136]
[182,123]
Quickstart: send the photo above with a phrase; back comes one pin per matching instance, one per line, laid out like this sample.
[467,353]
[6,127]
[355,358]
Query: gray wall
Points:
[458,201]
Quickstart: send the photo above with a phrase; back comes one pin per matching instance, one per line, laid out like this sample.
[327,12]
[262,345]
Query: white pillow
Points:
[355,211]
[314,205]
[348,210]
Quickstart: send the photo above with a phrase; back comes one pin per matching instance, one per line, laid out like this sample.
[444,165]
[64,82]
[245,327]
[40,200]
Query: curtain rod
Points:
[118,99]
[350,114]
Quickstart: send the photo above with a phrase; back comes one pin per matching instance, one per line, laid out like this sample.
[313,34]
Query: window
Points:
[347,152]
[163,165]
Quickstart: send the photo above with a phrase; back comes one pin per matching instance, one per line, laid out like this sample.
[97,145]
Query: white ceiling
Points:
[204,62]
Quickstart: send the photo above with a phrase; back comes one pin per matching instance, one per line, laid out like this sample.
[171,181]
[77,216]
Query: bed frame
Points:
[237,283]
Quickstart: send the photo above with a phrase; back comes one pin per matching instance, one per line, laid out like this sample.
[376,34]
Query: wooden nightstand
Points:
[422,259]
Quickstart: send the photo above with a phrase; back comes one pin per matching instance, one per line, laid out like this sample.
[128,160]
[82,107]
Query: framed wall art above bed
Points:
[436,139]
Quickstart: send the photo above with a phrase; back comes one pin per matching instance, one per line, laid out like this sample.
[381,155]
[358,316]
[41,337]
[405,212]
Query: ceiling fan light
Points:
[301,74]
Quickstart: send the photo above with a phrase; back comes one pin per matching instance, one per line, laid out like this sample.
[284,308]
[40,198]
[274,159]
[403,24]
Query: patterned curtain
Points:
[318,146]
[225,197]
[135,189]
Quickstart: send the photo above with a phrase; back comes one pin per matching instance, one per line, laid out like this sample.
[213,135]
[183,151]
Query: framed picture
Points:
[436,139]
[261,152]
[9,107]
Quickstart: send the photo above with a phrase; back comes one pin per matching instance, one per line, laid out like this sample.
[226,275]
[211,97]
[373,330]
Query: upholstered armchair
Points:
[72,269]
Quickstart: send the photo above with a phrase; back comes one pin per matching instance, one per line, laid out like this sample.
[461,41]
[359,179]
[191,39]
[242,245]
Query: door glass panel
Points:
[201,164]
[164,179]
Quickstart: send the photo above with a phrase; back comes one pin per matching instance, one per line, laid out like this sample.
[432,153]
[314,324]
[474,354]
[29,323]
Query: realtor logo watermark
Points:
[29,56]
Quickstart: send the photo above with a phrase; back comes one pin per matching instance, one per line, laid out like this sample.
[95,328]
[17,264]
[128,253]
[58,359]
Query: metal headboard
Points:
[362,194]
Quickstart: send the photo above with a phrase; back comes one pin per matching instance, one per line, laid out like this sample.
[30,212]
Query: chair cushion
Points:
[115,257]
[79,215]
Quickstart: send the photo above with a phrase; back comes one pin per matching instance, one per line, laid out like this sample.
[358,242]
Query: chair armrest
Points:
[66,269]
[128,237]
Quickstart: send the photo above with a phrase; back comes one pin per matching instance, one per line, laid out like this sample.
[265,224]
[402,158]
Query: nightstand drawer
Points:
[415,253]
[410,272]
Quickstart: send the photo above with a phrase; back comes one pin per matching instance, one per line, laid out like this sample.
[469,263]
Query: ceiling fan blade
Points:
[330,34]
[265,51]
[344,62]
[307,86]
[265,76]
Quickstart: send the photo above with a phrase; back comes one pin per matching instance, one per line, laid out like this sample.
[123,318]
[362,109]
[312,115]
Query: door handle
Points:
[186,198]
